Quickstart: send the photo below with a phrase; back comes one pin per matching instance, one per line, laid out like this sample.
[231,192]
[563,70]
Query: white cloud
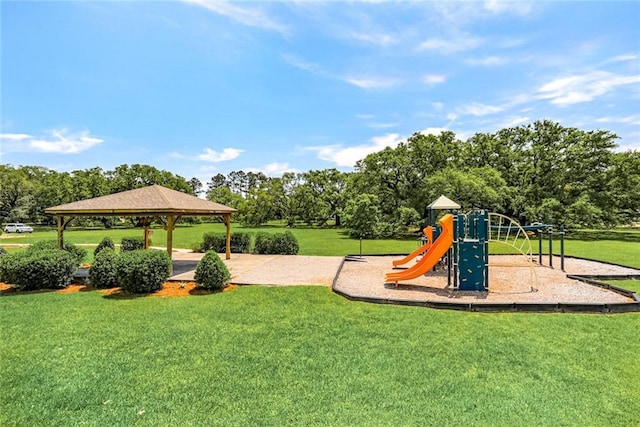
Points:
[273,169]
[437,105]
[583,88]
[521,8]
[301,64]
[516,121]
[382,125]
[377,39]
[348,156]
[630,120]
[433,131]
[476,109]
[251,17]
[58,141]
[216,157]
[365,116]
[488,61]
[623,58]
[277,168]
[373,82]
[433,79]
[448,46]
[15,136]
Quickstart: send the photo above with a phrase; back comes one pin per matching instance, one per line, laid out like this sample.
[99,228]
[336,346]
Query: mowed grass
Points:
[305,356]
[336,242]
[631,284]
[312,241]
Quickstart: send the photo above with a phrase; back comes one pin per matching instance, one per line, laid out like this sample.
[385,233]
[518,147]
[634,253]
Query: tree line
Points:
[541,172]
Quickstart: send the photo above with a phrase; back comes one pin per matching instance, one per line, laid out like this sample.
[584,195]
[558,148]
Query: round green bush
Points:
[216,242]
[263,243]
[105,243]
[277,243]
[240,243]
[103,272]
[141,271]
[131,244]
[211,273]
[284,244]
[79,253]
[39,269]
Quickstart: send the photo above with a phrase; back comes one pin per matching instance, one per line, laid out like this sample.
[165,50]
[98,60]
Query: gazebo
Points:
[146,203]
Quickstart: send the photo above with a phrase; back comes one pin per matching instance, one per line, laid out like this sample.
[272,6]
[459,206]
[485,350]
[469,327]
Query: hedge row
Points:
[265,243]
[41,266]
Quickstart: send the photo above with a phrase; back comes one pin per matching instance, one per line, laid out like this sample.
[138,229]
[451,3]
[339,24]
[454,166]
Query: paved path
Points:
[277,270]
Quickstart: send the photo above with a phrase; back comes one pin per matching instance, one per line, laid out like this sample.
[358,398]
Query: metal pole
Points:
[361,246]
[562,247]
[539,246]
[550,247]
[449,253]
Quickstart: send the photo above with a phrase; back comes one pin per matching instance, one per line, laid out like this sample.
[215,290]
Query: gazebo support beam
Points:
[61,224]
[227,222]
[146,222]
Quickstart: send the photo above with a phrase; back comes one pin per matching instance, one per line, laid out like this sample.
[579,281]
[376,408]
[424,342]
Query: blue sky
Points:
[199,87]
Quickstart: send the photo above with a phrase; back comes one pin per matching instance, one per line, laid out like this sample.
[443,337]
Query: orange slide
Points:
[433,255]
[428,232]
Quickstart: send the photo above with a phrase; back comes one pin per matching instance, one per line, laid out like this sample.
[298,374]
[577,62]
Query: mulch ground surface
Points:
[169,289]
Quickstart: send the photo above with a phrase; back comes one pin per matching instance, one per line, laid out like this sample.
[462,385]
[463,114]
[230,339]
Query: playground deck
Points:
[511,280]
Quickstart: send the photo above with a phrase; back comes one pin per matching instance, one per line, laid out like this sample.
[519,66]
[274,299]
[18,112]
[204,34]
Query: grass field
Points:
[331,241]
[305,356]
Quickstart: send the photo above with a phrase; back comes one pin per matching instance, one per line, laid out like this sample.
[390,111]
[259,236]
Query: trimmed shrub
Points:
[240,243]
[38,269]
[131,244]
[103,271]
[105,243]
[211,273]
[277,243]
[263,243]
[78,253]
[284,244]
[141,271]
[3,251]
[214,242]
[198,247]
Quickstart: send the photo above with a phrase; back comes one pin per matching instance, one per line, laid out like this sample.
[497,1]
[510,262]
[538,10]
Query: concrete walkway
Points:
[275,270]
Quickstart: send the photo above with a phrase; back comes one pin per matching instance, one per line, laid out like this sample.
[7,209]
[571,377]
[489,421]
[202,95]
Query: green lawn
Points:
[632,285]
[331,241]
[305,356]
[313,241]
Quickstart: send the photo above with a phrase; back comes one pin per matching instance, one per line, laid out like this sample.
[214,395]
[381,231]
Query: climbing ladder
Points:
[508,231]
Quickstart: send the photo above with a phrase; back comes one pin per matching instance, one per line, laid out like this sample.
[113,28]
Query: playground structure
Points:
[462,242]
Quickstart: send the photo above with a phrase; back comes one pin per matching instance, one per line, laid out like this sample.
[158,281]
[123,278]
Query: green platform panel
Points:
[471,266]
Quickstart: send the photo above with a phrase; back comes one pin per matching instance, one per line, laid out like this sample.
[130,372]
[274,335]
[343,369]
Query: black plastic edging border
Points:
[610,308]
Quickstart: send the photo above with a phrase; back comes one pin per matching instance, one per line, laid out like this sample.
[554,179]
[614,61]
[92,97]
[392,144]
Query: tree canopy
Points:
[537,172]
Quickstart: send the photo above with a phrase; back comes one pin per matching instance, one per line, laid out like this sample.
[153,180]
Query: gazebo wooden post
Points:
[169,228]
[61,224]
[60,228]
[146,222]
[227,221]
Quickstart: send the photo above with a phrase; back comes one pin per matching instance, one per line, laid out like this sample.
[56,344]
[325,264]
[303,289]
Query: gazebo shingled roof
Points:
[146,202]
[155,199]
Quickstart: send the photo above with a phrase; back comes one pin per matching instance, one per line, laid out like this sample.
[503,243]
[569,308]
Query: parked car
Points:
[17,227]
